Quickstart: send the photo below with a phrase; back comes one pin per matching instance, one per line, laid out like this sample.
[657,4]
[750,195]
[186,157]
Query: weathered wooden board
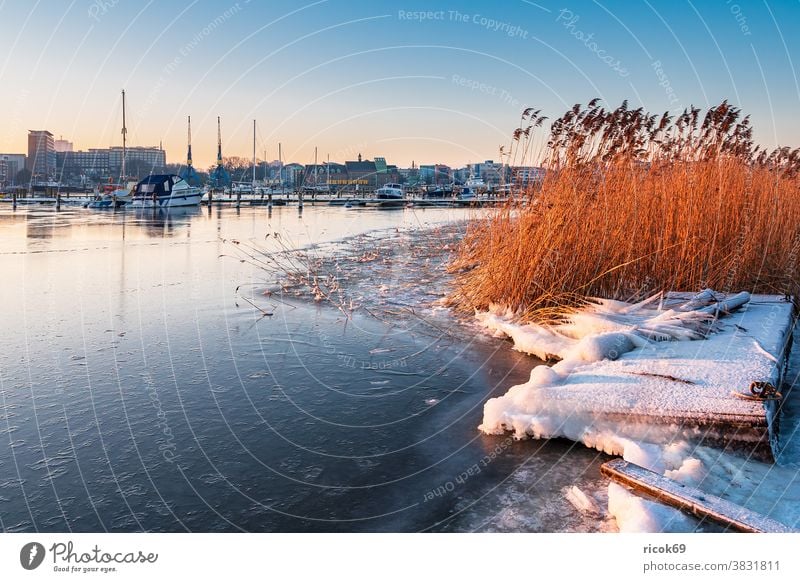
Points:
[690,499]
[686,390]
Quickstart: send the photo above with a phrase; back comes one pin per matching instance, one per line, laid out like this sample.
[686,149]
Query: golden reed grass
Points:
[632,204]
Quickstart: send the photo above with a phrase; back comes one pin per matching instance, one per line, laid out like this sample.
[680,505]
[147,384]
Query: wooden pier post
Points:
[14,200]
[58,200]
[238,199]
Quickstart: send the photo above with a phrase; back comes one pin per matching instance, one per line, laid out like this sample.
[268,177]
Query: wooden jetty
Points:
[690,499]
[697,391]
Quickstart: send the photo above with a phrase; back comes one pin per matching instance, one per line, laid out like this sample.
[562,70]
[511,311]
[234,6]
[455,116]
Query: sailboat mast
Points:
[189,143]
[315,166]
[219,142]
[280,166]
[124,138]
[254,156]
[328,177]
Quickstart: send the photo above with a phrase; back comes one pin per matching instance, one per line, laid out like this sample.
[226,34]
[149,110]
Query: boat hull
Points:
[172,201]
[106,204]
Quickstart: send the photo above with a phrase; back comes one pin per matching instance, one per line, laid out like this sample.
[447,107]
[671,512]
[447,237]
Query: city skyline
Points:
[408,81]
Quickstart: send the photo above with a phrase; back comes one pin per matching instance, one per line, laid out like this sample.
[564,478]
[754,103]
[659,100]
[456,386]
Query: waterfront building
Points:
[41,161]
[491,172]
[527,176]
[442,174]
[63,145]
[139,161]
[331,173]
[293,174]
[10,164]
[314,175]
[435,174]
[361,173]
[427,173]
[461,175]
[385,173]
[101,163]
[92,163]
[410,175]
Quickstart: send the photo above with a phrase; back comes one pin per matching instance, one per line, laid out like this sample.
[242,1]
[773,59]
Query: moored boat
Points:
[390,192]
[112,197]
[165,191]
[466,193]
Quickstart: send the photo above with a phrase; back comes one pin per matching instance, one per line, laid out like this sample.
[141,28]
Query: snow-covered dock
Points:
[691,500]
[633,372]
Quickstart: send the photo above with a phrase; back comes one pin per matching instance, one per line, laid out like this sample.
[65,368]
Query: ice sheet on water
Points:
[582,502]
[395,275]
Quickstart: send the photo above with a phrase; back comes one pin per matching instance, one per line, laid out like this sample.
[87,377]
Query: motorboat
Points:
[112,197]
[165,191]
[475,183]
[390,192]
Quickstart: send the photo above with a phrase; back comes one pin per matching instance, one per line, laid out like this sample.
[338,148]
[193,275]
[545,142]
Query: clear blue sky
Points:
[356,76]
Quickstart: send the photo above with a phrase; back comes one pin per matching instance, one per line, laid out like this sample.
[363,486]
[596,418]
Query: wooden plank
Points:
[690,499]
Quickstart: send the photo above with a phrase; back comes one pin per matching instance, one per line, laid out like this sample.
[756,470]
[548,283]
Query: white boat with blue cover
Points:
[390,192]
[165,191]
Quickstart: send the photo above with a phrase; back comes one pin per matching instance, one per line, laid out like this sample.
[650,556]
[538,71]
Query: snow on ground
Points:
[622,387]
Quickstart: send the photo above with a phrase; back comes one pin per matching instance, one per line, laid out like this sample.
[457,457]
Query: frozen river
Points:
[139,391]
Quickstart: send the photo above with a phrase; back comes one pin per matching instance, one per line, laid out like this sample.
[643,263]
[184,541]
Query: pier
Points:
[690,499]
[364,201]
[722,390]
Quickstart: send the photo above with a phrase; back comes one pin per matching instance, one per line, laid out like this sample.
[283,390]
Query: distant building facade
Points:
[102,163]
[293,174]
[491,172]
[62,145]
[41,160]
[442,174]
[460,175]
[360,174]
[92,163]
[385,173]
[527,176]
[10,165]
[139,161]
[435,174]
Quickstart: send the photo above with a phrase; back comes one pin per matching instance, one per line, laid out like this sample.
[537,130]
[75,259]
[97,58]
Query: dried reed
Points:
[632,204]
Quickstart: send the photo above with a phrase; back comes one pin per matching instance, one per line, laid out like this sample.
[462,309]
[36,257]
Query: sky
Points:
[422,81]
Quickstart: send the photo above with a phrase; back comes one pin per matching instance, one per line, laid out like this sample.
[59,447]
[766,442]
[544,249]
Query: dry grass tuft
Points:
[633,204]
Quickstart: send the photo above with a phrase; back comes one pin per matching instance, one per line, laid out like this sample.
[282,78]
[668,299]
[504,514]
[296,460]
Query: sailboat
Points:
[116,196]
